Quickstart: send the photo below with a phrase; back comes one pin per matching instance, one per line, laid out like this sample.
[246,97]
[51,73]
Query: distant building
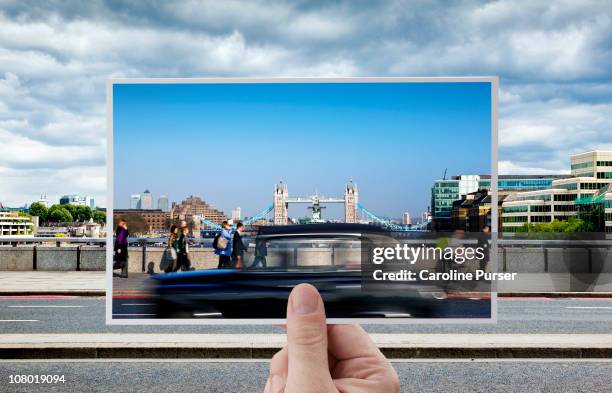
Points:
[195,206]
[586,193]
[445,192]
[44,201]
[12,224]
[472,212]
[146,200]
[156,219]
[78,200]
[406,219]
[135,201]
[163,204]
[236,214]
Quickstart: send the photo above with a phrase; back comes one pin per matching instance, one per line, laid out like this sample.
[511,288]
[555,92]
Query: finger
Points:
[307,341]
[350,342]
[278,371]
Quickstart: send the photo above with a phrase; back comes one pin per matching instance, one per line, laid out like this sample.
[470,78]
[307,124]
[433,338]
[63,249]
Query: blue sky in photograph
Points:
[230,143]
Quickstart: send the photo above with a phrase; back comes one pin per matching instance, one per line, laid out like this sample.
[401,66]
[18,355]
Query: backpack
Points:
[219,243]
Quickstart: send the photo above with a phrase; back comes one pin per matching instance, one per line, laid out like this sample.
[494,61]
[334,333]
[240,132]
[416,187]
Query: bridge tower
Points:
[351,198]
[281,214]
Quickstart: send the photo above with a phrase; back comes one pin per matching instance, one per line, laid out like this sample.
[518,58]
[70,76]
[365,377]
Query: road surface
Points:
[235,377]
[49,314]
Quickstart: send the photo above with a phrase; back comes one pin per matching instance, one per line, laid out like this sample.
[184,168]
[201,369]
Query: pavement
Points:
[396,346]
[214,376]
[72,326]
[49,283]
[50,320]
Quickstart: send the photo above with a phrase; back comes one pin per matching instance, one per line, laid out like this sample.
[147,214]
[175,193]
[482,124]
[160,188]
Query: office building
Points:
[163,204]
[146,200]
[12,224]
[587,194]
[445,192]
[135,201]
[406,220]
[236,214]
[78,200]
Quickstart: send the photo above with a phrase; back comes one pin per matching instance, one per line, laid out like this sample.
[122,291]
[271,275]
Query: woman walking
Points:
[172,254]
[223,246]
[182,250]
[120,251]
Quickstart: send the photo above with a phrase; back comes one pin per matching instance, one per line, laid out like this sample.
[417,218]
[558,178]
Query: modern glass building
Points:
[587,194]
[445,192]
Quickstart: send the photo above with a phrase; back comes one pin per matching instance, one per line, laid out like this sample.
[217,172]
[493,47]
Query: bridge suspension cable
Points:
[248,221]
[389,224]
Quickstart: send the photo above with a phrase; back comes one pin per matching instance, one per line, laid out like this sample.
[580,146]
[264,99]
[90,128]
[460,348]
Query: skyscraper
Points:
[135,201]
[146,200]
[236,214]
[162,203]
[406,220]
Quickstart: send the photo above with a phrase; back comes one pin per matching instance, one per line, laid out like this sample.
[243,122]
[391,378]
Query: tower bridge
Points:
[352,208]
[282,201]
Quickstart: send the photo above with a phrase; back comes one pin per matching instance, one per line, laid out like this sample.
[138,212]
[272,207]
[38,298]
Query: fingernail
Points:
[277,384]
[267,387]
[304,299]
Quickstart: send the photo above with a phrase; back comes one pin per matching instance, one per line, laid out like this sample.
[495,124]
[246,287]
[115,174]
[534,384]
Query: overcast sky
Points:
[554,62]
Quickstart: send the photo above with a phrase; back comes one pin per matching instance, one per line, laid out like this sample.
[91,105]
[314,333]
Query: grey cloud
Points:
[554,61]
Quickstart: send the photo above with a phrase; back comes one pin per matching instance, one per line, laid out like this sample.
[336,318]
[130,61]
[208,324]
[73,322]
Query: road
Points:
[49,314]
[234,377]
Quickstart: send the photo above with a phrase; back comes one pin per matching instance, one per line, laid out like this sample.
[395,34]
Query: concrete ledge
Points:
[263,346]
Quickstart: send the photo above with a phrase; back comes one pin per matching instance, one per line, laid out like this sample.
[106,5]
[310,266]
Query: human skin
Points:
[321,358]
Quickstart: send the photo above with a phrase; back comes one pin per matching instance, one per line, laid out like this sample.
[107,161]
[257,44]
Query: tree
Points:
[59,213]
[99,217]
[82,213]
[71,209]
[571,225]
[39,210]
[136,223]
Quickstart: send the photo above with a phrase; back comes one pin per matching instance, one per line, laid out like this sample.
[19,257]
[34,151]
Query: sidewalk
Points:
[263,346]
[52,283]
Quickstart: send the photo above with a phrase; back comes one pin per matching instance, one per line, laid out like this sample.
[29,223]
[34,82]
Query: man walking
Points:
[238,247]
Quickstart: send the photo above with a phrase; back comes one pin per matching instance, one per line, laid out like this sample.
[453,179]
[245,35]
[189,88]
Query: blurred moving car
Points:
[327,256]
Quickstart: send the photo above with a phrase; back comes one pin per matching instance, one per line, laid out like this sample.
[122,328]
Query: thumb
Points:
[308,368]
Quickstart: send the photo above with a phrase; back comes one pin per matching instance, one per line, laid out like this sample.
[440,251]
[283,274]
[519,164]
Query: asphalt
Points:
[53,314]
[236,377]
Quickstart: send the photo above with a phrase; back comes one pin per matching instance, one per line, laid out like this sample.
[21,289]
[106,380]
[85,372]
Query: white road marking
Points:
[591,307]
[206,314]
[138,304]
[19,320]
[46,306]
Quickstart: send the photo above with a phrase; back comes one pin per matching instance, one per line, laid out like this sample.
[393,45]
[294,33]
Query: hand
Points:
[319,358]
[119,251]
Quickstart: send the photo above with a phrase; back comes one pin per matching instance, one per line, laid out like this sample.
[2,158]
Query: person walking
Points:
[182,250]
[120,250]
[223,246]
[238,247]
[170,254]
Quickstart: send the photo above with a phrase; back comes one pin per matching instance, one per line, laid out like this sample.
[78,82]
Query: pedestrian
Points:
[238,247]
[170,255]
[182,250]
[120,251]
[223,246]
